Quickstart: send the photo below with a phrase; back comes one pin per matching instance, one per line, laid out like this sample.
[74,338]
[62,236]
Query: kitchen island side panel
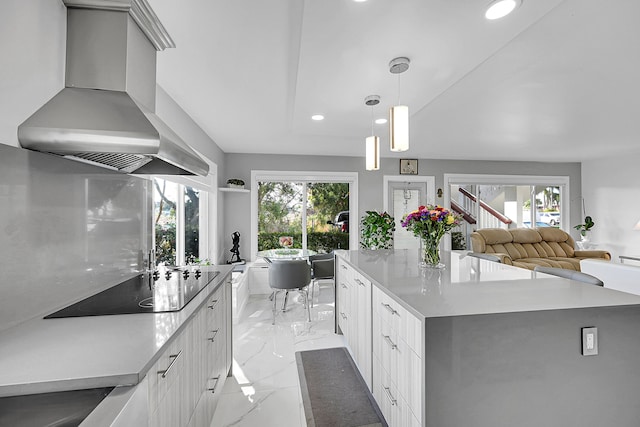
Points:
[527,369]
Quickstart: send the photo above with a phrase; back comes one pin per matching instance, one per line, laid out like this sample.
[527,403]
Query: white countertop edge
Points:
[615,298]
[68,385]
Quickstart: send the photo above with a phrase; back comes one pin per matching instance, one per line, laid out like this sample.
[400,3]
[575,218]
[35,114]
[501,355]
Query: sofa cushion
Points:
[490,240]
[494,236]
[551,234]
[525,235]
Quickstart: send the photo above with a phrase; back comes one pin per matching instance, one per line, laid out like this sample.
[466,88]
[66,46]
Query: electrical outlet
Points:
[589,341]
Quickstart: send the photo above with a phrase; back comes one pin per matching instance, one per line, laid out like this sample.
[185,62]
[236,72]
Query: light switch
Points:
[589,341]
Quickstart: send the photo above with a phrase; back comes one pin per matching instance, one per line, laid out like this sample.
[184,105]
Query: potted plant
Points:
[584,228]
[235,183]
[376,230]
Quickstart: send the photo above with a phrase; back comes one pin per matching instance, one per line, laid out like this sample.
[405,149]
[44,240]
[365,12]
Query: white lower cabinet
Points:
[398,366]
[402,365]
[386,342]
[354,315]
[395,409]
[185,383]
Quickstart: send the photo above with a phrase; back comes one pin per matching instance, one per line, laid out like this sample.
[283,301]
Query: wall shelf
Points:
[234,190]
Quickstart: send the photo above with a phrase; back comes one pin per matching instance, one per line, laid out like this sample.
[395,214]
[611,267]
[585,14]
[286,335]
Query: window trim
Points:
[302,176]
[205,219]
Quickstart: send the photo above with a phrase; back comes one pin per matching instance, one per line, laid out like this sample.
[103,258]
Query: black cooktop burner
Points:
[166,290]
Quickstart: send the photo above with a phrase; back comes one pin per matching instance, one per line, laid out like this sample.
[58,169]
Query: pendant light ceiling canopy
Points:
[372,143]
[399,115]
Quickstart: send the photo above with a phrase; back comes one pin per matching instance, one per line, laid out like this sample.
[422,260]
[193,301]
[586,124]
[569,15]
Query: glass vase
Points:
[430,253]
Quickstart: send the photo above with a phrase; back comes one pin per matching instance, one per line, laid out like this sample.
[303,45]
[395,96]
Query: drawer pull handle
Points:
[391,343]
[344,286]
[215,333]
[359,282]
[389,396]
[344,267]
[213,390]
[388,307]
[213,304]
[164,373]
[344,316]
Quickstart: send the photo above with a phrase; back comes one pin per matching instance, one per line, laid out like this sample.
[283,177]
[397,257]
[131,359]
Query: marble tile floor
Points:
[264,390]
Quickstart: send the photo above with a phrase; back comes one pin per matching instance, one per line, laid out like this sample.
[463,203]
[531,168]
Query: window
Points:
[310,208]
[311,215]
[180,223]
[507,201]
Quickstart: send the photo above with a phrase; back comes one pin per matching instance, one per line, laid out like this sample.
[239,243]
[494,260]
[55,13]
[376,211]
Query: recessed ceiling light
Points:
[501,8]
[317,117]
[381,121]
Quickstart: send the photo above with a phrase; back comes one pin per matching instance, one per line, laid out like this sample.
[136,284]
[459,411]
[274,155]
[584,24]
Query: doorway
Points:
[402,196]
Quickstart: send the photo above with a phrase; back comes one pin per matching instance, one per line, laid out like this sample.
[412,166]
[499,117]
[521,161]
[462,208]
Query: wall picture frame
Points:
[408,166]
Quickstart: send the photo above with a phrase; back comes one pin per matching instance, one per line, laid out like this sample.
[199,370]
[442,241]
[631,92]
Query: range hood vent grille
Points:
[122,162]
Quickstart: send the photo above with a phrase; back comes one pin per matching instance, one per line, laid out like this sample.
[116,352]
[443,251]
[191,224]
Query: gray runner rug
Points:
[333,392]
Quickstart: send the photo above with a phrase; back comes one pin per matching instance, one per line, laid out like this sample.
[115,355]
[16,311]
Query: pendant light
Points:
[372,143]
[399,115]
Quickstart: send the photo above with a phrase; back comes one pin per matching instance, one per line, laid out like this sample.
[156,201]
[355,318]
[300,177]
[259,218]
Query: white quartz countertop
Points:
[472,286]
[44,355]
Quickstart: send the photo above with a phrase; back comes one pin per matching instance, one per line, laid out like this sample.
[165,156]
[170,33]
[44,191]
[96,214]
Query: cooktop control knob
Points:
[167,275]
[155,275]
[185,274]
[198,274]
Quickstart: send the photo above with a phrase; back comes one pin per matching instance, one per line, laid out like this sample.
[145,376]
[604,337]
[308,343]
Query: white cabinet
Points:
[165,383]
[258,276]
[185,382]
[354,315]
[397,365]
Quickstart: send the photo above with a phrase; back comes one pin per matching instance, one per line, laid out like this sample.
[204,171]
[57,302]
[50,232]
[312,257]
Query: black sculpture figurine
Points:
[235,250]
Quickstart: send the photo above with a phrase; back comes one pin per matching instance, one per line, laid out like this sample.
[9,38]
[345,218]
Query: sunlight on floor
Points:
[264,390]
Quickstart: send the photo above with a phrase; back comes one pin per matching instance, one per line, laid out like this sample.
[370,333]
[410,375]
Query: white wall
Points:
[611,190]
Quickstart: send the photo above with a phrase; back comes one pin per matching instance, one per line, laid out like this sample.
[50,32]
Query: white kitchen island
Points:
[485,344]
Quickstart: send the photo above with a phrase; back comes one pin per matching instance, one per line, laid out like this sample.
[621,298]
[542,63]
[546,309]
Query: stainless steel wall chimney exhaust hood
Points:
[105,113]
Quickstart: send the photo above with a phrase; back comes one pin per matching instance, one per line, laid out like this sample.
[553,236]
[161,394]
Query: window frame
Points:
[305,177]
[206,220]
[561,181]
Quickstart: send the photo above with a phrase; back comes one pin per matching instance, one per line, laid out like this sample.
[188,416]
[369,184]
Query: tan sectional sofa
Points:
[526,248]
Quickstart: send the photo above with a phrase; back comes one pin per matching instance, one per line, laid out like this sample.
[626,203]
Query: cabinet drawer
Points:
[360,280]
[343,307]
[401,363]
[395,410]
[165,372]
[399,319]
[344,272]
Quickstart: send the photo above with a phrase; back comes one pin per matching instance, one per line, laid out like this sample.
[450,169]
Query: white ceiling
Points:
[556,80]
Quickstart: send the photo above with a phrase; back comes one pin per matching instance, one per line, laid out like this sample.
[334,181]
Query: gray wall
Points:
[237,215]
[526,369]
[192,134]
[67,231]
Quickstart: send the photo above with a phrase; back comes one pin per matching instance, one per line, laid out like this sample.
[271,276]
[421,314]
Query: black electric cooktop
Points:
[164,290]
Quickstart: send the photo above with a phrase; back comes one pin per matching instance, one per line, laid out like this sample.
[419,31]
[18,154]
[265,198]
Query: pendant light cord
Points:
[372,120]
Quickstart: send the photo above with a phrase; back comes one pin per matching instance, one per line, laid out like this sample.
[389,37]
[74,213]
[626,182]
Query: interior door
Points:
[405,197]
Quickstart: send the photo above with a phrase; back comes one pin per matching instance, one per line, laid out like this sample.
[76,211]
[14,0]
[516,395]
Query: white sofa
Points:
[621,277]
